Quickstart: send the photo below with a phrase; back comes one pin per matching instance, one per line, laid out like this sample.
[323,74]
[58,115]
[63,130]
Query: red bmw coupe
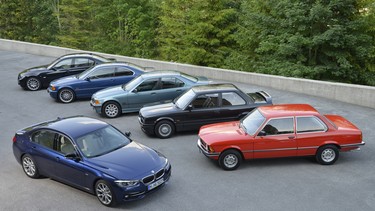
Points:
[279,131]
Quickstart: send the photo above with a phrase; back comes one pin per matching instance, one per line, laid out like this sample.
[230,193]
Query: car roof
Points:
[84,55]
[72,126]
[284,110]
[158,73]
[214,87]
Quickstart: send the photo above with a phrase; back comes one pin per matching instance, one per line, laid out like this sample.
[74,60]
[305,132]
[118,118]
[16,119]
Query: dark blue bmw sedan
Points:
[93,156]
[85,84]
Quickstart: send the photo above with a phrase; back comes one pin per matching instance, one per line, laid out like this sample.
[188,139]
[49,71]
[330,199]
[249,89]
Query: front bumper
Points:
[96,108]
[52,93]
[203,150]
[140,192]
[146,128]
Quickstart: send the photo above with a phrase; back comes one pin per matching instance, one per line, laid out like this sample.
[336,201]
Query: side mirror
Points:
[189,107]
[72,156]
[262,133]
[135,91]
[128,133]
[88,79]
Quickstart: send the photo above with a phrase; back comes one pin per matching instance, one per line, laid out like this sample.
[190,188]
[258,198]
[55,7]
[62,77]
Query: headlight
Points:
[167,165]
[127,183]
[53,88]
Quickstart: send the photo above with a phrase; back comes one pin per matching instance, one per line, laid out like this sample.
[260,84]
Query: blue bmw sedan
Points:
[93,156]
[85,84]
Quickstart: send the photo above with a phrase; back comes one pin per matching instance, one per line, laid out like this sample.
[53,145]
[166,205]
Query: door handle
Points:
[153,93]
[291,137]
[57,159]
[178,90]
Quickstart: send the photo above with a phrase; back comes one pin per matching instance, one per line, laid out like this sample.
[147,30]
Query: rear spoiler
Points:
[266,96]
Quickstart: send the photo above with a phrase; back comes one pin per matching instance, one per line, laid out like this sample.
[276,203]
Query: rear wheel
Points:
[164,129]
[327,155]
[230,160]
[33,84]
[66,95]
[104,193]
[29,167]
[111,110]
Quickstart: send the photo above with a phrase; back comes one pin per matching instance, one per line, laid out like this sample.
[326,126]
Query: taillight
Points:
[14,139]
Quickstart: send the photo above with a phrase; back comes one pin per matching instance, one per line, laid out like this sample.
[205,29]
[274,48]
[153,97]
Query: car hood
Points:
[109,92]
[129,162]
[159,110]
[68,80]
[34,70]
[221,133]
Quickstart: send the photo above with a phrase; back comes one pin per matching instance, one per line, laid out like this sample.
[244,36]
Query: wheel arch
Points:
[236,148]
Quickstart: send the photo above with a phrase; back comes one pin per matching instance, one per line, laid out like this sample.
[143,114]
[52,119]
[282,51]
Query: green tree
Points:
[319,39]
[197,32]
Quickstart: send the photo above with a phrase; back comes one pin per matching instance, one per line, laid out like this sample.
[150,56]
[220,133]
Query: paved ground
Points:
[197,183]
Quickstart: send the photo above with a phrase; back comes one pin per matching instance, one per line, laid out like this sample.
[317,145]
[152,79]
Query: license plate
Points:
[156,184]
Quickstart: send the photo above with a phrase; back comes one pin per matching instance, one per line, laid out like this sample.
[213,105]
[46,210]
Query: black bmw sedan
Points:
[200,105]
[39,77]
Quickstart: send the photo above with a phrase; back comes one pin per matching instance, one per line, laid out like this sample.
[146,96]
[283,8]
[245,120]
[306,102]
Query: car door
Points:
[170,88]
[122,76]
[203,110]
[69,170]
[276,139]
[59,70]
[233,107]
[80,64]
[99,78]
[143,93]
[311,133]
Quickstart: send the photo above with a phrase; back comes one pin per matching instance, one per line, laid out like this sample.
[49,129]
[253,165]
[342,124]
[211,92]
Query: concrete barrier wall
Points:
[355,94]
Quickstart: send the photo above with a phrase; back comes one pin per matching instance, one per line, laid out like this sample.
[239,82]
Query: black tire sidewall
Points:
[320,151]
[227,152]
[113,202]
[114,103]
[159,124]
[68,89]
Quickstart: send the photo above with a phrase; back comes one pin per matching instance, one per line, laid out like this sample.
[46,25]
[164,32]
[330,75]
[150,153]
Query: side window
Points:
[44,137]
[104,72]
[82,62]
[279,126]
[232,99]
[64,64]
[64,145]
[148,85]
[206,101]
[121,71]
[310,124]
[171,82]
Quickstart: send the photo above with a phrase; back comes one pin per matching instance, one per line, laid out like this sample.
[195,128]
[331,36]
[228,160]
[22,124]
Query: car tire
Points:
[164,129]
[33,84]
[111,110]
[29,166]
[66,95]
[327,154]
[230,159]
[104,193]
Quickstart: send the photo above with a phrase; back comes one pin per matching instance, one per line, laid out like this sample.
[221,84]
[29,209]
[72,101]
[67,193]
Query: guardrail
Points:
[349,93]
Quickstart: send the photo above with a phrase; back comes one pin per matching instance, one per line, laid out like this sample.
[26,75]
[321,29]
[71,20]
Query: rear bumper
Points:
[352,147]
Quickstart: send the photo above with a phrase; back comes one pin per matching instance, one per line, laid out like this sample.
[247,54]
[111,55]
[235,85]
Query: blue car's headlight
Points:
[127,183]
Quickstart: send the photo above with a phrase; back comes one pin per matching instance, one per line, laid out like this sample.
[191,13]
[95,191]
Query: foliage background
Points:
[330,40]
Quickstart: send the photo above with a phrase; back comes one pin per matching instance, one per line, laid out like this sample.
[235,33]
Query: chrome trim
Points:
[205,152]
[313,147]
[353,145]
[280,149]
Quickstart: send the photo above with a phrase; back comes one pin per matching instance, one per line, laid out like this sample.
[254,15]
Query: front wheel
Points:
[33,84]
[111,110]
[104,193]
[29,167]
[327,155]
[66,95]
[230,160]
[164,129]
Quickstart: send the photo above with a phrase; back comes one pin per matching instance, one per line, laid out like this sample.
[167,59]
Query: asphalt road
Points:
[197,183]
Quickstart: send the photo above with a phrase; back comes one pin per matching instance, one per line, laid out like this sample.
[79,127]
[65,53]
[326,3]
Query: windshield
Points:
[102,141]
[131,84]
[182,101]
[252,122]
[85,73]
